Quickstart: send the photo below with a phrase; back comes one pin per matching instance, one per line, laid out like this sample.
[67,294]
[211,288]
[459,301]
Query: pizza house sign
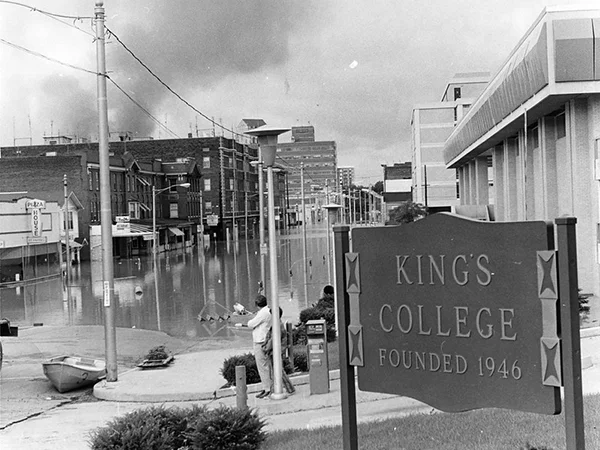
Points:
[456,313]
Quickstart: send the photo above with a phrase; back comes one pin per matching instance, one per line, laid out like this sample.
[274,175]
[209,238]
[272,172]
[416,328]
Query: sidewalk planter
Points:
[154,363]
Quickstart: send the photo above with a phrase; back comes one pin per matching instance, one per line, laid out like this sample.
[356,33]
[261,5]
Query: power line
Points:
[224,128]
[141,107]
[26,50]
[93,73]
[34,9]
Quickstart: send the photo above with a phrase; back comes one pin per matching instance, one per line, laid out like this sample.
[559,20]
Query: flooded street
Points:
[191,296]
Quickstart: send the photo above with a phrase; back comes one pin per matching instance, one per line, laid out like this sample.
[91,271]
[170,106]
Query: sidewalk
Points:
[194,378]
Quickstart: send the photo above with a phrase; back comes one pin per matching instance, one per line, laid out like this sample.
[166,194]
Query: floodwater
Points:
[194,290]
[192,294]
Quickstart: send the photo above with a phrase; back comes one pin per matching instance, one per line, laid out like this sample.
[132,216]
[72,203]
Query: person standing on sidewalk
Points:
[260,326]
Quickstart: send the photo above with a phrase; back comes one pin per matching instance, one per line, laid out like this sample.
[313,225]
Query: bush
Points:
[154,428]
[315,313]
[227,428]
[229,365]
[158,428]
[300,359]
[248,360]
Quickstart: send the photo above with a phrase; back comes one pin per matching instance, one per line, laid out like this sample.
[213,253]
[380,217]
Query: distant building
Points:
[433,184]
[397,184]
[345,178]
[319,159]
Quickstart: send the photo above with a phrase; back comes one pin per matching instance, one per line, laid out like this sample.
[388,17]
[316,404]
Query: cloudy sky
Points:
[351,68]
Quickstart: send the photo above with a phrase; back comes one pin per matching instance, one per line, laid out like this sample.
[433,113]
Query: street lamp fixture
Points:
[267,141]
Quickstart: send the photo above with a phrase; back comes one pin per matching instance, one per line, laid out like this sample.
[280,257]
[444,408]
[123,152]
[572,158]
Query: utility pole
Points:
[68,250]
[110,332]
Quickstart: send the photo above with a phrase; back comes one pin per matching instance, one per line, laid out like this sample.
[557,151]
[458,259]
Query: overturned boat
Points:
[73,372]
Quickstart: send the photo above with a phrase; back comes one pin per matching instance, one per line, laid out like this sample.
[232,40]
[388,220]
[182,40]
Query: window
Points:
[172,185]
[231,186]
[91,180]
[206,149]
[70,221]
[173,211]
[208,206]
[207,184]
[457,93]
[134,210]
[206,162]
[561,131]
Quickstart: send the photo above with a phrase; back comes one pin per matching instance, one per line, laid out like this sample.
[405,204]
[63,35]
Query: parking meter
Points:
[318,360]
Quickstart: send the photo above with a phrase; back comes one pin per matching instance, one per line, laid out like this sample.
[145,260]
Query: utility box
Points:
[318,358]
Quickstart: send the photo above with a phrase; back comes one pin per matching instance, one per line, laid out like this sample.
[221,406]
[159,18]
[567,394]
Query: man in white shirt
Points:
[260,325]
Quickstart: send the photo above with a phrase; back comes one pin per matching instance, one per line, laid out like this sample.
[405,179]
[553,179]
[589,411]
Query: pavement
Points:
[194,378]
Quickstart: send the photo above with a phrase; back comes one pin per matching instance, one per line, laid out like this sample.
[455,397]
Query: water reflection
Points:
[186,294]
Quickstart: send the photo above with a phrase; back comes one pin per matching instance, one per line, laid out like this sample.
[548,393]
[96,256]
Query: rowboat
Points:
[72,372]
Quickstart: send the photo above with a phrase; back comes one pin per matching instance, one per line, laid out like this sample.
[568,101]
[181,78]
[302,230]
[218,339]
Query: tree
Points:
[378,187]
[408,212]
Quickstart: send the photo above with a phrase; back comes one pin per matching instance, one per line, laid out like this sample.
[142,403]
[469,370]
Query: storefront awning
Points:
[176,231]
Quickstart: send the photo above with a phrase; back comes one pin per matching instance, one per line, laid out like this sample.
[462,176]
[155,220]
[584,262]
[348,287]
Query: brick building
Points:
[40,172]
[223,196]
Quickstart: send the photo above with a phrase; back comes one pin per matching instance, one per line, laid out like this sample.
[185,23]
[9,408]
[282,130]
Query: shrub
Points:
[300,359]
[157,353]
[314,313]
[248,360]
[154,428]
[158,428]
[226,428]
[229,365]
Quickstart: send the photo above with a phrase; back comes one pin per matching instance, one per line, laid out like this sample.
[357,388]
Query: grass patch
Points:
[485,429]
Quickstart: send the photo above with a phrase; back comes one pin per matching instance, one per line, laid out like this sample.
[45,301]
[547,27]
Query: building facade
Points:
[397,185]
[318,160]
[345,178]
[42,174]
[433,185]
[538,123]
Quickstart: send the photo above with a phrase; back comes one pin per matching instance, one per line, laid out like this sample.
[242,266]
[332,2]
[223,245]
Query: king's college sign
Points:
[457,313]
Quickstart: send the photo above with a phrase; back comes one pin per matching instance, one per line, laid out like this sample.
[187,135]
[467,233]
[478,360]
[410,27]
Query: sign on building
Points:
[36,222]
[123,225]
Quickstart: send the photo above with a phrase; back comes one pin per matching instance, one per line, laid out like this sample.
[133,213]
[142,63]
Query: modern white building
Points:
[433,185]
[538,123]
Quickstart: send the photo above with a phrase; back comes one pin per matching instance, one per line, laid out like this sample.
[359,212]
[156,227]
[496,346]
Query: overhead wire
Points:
[112,33]
[171,90]
[40,55]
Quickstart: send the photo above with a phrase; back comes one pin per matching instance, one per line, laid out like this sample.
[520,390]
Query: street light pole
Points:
[261,220]
[110,332]
[267,140]
[303,215]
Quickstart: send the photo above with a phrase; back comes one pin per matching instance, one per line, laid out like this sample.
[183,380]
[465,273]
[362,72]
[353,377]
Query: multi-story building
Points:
[397,184]
[319,162]
[225,201]
[538,123]
[345,178]
[41,176]
[433,184]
